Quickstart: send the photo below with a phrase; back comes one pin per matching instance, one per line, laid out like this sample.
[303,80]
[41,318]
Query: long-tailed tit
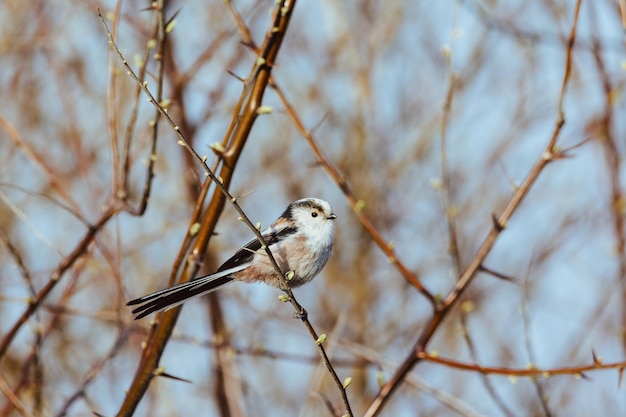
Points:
[301,241]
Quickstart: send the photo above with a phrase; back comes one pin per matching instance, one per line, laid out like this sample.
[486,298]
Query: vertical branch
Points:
[449,210]
[605,131]
[160,37]
[112,107]
[541,395]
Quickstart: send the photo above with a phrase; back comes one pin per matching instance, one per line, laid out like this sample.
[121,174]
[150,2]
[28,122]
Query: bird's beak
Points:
[332,216]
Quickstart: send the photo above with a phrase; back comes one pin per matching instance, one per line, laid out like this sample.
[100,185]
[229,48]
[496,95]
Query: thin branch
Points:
[528,372]
[161,36]
[605,132]
[528,342]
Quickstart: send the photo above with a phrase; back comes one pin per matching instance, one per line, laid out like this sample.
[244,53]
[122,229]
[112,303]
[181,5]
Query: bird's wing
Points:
[171,297]
[246,253]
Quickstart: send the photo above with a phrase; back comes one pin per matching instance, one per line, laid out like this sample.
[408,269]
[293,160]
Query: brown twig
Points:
[530,371]
[445,192]
[539,386]
[121,188]
[604,130]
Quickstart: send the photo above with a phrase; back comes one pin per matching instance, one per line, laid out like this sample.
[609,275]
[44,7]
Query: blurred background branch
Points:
[417,121]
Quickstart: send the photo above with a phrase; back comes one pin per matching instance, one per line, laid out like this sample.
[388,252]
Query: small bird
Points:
[301,241]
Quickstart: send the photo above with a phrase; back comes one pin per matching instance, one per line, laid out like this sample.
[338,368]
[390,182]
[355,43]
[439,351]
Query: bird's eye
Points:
[314,214]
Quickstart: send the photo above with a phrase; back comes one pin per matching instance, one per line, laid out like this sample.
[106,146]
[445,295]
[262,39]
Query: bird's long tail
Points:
[178,294]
